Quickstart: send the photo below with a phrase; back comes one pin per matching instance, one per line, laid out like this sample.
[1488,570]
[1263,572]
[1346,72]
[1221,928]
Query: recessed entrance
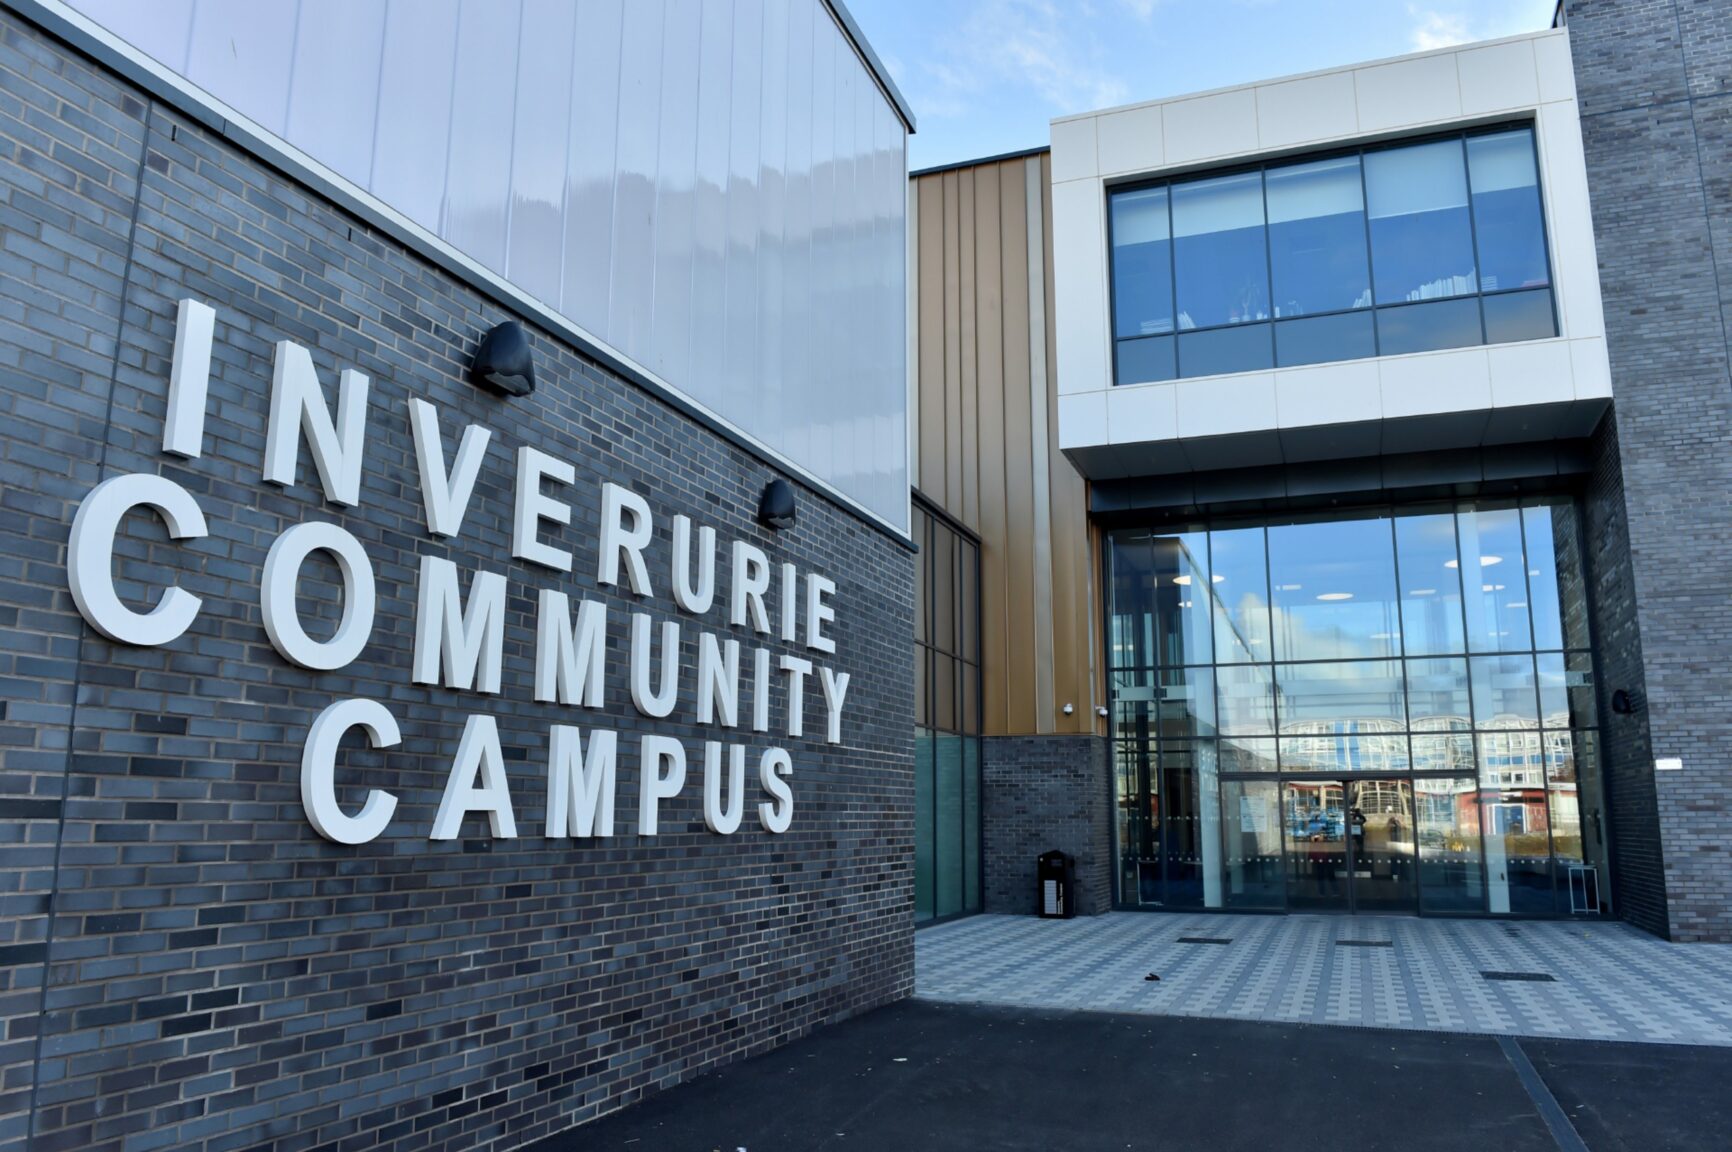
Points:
[1351,845]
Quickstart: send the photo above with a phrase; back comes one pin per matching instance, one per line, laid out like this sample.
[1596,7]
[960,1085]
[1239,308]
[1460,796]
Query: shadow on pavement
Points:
[920,1075]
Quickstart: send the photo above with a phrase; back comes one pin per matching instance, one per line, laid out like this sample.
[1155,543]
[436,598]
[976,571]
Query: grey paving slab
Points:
[1608,981]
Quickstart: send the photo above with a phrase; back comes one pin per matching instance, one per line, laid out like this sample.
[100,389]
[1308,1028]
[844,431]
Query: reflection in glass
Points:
[1191,818]
[1334,590]
[1451,752]
[1240,576]
[1451,871]
[1319,339]
[1513,758]
[1314,817]
[1322,753]
[1184,594]
[1219,256]
[1242,754]
[1142,265]
[1240,348]
[1380,835]
[1247,694]
[1430,584]
[1251,844]
[1428,327]
[1493,580]
[1317,237]
[1506,210]
[1437,695]
[1146,361]
[1557,586]
[1517,851]
[1131,616]
[1503,692]
[1358,697]
[1472,734]
[1519,316]
[1421,238]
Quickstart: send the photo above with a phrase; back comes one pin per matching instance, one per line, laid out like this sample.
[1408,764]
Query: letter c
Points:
[90,558]
[319,765]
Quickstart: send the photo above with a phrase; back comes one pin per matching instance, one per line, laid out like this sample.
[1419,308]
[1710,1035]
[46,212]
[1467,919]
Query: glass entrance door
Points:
[1350,845]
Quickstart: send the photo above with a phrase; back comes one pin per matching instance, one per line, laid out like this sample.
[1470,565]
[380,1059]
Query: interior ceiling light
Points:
[1217,578]
[1182,581]
[1491,587]
[1484,562]
[1335,596]
[1423,592]
[1517,604]
[1288,587]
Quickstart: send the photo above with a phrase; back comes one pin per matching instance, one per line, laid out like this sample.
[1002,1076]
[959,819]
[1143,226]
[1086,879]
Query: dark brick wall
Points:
[1041,793]
[1656,101]
[183,961]
[1627,765]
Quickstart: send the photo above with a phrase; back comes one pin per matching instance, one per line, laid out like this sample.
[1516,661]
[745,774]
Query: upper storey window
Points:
[1380,251]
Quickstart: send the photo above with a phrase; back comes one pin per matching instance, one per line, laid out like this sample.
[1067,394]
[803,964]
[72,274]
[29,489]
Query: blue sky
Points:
[985,76]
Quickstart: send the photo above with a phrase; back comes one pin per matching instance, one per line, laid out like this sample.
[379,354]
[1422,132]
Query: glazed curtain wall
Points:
[1258,668]
[714,190]
[947,715]
[1389,250]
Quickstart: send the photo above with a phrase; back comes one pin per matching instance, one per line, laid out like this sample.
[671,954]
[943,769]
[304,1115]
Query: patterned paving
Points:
[1609,981]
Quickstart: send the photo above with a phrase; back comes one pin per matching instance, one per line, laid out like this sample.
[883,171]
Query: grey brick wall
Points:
[1656,99]
[1627,766]
[1041,793]
[184,963]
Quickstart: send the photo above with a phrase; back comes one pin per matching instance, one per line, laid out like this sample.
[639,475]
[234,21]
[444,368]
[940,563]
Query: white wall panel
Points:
[772,209]
[483,102]
[590,164]
[412,137]
[238,53]
[709,297]
[160,30]
[740,331]
[715,188]
[798,363]
[540,141]
[676,174]
[631,290]
[334,91]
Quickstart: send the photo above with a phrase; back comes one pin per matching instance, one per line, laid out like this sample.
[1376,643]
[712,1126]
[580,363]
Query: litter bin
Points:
[1055,877]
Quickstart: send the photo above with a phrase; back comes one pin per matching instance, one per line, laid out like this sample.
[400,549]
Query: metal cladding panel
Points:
[713,189]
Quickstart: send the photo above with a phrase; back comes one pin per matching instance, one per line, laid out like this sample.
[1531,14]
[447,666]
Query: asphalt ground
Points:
[920,1075]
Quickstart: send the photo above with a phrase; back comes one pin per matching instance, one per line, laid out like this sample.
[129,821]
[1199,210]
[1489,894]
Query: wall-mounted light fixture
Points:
[504,363]
[1621,703]
[1101,712]
[1069,708]
[776,508]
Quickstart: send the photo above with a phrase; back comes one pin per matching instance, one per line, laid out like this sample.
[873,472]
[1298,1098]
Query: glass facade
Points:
[1390,710]
[947,717]
[1399,248]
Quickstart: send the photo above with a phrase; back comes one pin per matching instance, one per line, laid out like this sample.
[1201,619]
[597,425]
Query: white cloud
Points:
[1021,44]
[1434,29]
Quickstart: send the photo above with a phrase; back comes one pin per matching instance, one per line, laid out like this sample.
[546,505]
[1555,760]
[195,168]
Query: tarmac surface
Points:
[923,1075]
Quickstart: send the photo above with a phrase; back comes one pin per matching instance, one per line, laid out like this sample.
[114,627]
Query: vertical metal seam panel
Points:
[911,366]
[1037,391]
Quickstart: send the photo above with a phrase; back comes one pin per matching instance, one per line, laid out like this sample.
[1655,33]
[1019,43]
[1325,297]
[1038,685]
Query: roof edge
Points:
[880,73]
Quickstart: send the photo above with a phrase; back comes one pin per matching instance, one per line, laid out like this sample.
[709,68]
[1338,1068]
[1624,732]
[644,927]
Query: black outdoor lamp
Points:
[776,509]
[504,363]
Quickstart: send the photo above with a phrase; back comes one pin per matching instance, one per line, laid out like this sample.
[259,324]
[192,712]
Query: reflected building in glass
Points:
[1385,604]
[1344,714]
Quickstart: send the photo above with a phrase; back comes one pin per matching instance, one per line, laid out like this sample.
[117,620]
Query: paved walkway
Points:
[1607,981]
